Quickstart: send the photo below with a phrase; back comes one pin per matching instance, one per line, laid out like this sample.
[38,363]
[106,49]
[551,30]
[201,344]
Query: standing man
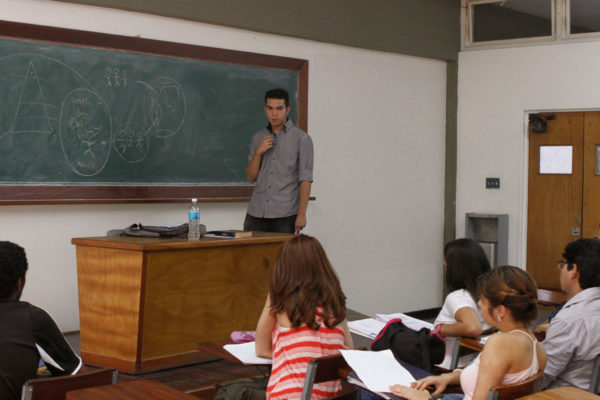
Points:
[26,332]
[281,164]
[572,337]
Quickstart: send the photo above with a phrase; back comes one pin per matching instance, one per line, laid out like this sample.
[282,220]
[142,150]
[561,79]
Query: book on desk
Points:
[230,233]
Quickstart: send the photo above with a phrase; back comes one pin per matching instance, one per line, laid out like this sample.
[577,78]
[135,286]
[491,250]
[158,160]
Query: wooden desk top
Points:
[563,393]
[550,297]
[132,390]
[160,244]
[215,348]
[471,343]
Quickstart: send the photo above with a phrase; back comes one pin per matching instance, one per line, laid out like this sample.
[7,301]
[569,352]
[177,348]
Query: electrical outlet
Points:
[492,183]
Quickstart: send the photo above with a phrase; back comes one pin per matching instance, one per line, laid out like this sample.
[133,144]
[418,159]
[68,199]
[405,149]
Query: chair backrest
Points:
[595,381]
[513,390]
[56,388]
[324,369]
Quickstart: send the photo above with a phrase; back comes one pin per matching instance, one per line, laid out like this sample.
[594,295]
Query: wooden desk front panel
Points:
[109,282]
[203,294]
[145,303]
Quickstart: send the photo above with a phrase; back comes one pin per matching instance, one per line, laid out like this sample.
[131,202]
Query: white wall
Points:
[378,124]
[496,89]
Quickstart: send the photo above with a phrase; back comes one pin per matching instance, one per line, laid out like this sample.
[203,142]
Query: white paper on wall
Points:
[556,159]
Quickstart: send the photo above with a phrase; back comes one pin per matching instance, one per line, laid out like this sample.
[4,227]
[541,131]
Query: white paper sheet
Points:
[377,369]
[556,160]
[368,327]
[412,323]
[246,353]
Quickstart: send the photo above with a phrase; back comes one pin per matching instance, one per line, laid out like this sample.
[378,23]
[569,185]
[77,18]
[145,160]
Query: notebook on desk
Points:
[246,353]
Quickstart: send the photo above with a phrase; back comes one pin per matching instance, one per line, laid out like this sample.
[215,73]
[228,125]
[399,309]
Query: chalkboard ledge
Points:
[85,194]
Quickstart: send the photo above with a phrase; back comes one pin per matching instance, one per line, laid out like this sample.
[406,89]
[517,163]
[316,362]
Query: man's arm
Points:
[304,194]
[51,344]
[559,345]
[305,177]
[254,165]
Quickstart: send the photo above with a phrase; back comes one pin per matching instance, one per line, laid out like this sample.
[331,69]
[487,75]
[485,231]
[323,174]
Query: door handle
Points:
[575,231]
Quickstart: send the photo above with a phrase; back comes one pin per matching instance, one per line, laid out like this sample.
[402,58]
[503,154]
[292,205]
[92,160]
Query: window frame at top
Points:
[467,27]
[567,25]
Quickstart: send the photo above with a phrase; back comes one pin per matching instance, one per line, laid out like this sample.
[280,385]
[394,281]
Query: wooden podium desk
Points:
[144,303]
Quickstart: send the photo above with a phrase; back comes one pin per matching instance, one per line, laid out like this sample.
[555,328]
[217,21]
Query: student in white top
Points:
[508,299]
[464,261]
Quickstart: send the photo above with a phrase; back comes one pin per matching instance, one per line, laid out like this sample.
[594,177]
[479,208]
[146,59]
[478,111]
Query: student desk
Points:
[563,393]
[144,303]
[142,389]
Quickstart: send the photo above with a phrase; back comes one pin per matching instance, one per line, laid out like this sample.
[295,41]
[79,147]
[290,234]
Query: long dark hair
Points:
[465,262]
[304,279]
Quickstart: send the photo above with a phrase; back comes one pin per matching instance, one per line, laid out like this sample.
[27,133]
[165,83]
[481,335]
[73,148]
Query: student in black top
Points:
[26,332]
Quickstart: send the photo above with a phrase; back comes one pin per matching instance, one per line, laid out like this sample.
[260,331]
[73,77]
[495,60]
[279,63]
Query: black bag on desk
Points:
[415,347]
[178,231]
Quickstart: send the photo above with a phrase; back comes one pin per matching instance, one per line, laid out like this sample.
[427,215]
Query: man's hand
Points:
[265,145]
[300,222]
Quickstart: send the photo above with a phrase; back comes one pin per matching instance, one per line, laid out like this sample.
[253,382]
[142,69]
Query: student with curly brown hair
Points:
[304,317]
[508,302]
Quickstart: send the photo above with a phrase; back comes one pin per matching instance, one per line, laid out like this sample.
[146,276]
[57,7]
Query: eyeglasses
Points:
[561,264]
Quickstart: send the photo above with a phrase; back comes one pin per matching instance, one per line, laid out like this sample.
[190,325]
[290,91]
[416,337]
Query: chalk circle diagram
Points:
[85,132]
[158,111]
[35,109]
[164,106]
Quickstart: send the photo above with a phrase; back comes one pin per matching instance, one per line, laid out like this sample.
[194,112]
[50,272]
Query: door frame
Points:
[522,231]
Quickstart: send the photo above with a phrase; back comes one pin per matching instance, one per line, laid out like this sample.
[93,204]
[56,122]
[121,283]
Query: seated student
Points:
[508,301]
[572,335]
[465,261]
[26,332]
[304,318]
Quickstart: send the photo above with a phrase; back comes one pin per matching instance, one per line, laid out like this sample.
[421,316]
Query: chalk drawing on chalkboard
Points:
[132,142]
[164,106]
[31,115]
[85,132]
[31,102]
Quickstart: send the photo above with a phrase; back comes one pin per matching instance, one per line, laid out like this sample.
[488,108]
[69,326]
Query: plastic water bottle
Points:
[194,221]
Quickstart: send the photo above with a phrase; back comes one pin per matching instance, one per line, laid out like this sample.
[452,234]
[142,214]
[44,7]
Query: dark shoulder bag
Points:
[418,348]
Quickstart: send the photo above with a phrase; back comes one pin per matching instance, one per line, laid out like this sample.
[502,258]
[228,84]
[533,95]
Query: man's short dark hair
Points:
[586,254]
[278,94]
[13,266]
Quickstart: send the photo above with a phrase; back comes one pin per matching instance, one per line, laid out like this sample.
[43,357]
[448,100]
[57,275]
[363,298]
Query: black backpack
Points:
[418,348]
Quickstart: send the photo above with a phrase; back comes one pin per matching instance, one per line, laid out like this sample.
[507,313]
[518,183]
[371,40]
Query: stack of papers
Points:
[370,327]
[412,323]
[246,353]
[378,370]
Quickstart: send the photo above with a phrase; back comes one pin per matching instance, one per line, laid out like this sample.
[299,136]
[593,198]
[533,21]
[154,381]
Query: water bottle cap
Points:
[194,200]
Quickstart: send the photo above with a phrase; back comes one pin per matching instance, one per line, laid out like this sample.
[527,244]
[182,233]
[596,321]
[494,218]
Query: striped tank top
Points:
[293,348]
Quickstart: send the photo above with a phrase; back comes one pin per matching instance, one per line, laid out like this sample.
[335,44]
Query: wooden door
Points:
[591,174]
[555,199]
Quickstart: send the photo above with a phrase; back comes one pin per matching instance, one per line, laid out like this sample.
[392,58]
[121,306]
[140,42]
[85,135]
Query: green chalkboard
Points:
[72,114]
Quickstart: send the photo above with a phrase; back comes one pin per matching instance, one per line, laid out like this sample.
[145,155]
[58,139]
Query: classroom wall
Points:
[378,125]
[424,28]
[496,88]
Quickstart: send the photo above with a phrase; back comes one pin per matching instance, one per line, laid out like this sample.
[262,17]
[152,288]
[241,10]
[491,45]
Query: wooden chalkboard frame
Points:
[73,194]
